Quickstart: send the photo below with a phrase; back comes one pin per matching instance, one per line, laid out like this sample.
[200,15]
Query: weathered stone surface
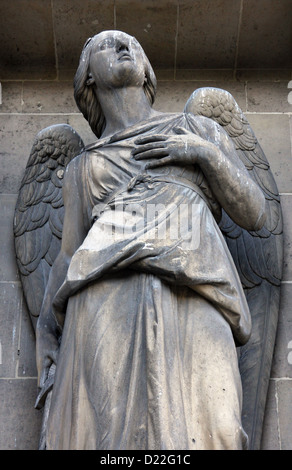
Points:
[272,131]
[20,422]
[227,34]
[48,97]
[201,26]
[263,75]
[265,34]
[8,267]
[10,311]
[27,40]
[26,354]
[284,392]
[270,437]
[268,97]
[204,75]
[11,98]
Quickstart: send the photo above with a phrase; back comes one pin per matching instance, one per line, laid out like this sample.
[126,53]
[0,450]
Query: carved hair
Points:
[85,97]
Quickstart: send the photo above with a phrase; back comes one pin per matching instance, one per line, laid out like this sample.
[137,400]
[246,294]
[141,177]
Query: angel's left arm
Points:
[231,184]
[235,190]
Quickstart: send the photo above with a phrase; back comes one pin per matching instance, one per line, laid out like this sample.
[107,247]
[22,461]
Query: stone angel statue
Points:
[151,265]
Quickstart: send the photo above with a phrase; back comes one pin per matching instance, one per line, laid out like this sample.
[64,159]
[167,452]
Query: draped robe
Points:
[152,308]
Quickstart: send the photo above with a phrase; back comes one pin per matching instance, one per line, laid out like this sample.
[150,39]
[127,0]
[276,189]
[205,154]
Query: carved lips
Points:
[124,56]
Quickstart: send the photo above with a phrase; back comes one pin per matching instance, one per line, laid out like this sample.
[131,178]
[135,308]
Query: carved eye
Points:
[106,43]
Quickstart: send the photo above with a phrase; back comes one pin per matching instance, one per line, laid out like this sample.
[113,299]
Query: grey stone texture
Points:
[42,39]
[248,52]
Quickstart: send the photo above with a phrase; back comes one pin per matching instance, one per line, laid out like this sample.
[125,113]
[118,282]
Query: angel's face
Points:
[116,60]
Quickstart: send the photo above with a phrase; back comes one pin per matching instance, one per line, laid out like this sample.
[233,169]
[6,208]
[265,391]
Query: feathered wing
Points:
[39,210]
[257,255]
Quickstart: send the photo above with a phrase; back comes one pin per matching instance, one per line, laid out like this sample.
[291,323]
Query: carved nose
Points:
[122,47]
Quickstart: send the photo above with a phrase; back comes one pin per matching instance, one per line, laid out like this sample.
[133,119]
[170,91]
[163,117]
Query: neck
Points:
[124,107]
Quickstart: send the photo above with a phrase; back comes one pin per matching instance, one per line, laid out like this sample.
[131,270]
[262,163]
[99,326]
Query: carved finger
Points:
[150,138]
[146,147]
[160,162]
[153,153]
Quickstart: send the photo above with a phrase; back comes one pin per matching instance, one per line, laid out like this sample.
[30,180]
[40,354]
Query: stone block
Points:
[282,361]
[270,435]
[204,74]
[27,40]
[10,311]
[68,74]
[20,422]
[8,267]
[147,22]
[264,75]
[284,392]
[11,97]
[164,74]
[49,97]
[265,34]
[268,97]
[202,25]
[27,346]
[272,132]
[75,22]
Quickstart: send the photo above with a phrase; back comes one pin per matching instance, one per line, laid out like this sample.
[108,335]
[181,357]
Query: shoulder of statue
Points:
[202,125]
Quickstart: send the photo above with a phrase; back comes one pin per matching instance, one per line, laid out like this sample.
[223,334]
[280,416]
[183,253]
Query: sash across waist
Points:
[148,180]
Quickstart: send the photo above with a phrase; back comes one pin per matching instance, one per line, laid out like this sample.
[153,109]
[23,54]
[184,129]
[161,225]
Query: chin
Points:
[129,75]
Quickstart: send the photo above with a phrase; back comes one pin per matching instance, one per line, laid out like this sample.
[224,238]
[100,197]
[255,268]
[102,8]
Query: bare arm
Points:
[231,184]
[234,189]
[48,330]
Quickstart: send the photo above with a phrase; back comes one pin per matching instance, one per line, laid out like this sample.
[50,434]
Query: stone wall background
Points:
[243,46]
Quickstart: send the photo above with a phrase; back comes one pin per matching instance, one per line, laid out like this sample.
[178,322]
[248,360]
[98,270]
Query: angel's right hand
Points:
[47,351]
